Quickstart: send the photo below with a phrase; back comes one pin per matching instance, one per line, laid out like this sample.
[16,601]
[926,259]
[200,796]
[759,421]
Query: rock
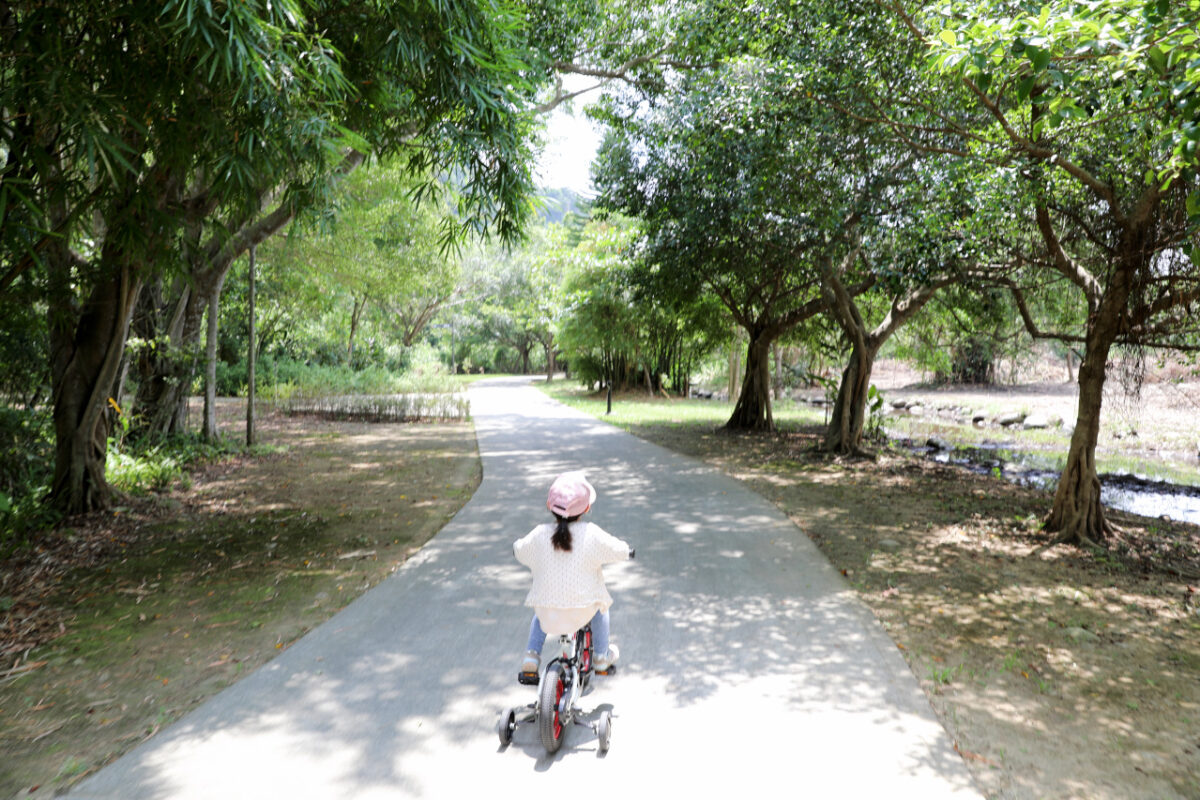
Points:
[938,443]
[891,545]
[900,403]
[1011,418]
[979,417]
[916,409]
[1036,421]
[1081,635]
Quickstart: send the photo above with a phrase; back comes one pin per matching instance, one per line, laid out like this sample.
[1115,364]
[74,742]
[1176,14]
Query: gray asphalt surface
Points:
[746,662]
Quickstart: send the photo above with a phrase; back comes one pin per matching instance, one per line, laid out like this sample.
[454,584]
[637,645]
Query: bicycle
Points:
[563,681]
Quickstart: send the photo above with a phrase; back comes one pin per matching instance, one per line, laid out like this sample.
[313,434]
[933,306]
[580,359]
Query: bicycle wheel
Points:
[550,719]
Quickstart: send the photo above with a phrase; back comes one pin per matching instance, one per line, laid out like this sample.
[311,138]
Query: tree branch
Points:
[1026,317]
[1064,264]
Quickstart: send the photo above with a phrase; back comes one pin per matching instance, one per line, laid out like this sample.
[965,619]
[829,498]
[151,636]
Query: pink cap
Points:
[570,495]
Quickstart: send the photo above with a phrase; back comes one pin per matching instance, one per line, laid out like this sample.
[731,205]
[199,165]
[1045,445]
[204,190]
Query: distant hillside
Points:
[557,204]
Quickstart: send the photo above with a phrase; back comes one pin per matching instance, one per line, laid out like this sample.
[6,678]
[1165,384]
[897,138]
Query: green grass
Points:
[462,381]
[635,409]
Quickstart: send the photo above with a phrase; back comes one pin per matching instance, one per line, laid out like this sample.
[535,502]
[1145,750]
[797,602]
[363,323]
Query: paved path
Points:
[746,662]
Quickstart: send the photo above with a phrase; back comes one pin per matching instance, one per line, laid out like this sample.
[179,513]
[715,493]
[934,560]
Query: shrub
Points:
[26,469]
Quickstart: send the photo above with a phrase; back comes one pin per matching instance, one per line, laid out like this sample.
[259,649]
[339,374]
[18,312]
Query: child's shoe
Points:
[528,673]
[604,663]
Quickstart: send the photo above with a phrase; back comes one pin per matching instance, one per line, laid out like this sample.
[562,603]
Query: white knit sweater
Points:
[568,586]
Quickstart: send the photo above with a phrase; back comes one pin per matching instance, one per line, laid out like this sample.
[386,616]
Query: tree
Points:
[1089,111]
[519,294]
[921,242]
[404,109]
[111,180]
[746,191]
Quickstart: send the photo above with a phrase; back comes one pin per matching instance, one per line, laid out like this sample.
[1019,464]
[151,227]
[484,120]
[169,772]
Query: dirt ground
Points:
[120,623]
[1059,673]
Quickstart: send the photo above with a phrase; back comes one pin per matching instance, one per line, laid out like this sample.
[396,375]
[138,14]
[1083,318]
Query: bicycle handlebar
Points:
[631,553]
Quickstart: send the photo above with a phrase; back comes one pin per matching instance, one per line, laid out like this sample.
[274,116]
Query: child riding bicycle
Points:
[567,559]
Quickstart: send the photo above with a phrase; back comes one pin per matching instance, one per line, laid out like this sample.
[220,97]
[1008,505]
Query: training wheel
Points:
[508,724]
[604,730]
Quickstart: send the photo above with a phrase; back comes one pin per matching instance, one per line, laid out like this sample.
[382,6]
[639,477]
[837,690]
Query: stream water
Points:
[1137,494]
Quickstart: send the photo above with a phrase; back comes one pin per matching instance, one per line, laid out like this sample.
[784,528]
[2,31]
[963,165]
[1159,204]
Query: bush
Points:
[154,465]
[26,469]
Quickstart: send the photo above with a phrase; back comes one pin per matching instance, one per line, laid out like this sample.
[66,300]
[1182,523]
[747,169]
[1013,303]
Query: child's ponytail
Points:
[562,533]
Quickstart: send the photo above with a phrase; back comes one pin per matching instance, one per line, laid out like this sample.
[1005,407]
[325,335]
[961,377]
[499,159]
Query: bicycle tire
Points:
[551,725]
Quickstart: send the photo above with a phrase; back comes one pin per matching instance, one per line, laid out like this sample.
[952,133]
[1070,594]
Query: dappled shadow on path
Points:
[728,621]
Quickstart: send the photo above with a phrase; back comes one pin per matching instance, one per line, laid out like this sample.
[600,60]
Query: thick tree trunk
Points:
[165,370]
[1077,515]
[753,409]
[844,435]
[85,361]
[167,379]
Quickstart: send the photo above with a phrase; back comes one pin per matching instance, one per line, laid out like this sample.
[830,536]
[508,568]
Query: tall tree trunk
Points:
[845,431]
[210,431]
[165,369]
[735,364]
[355,318]
[166,381]
[777,377]
[844,434]
[1077,514]
[753,409]
[252,355]
[85,359]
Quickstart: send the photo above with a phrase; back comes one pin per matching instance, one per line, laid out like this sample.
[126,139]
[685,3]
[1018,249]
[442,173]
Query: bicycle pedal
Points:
[612,670]
[527,678]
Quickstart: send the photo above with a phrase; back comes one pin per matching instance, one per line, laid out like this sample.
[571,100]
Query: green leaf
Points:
[1193,204]
[1158,59]
[949,37]
[1026,87]
[1039,57]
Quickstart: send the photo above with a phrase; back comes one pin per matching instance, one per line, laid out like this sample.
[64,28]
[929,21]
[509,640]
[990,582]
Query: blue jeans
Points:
[600,627]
